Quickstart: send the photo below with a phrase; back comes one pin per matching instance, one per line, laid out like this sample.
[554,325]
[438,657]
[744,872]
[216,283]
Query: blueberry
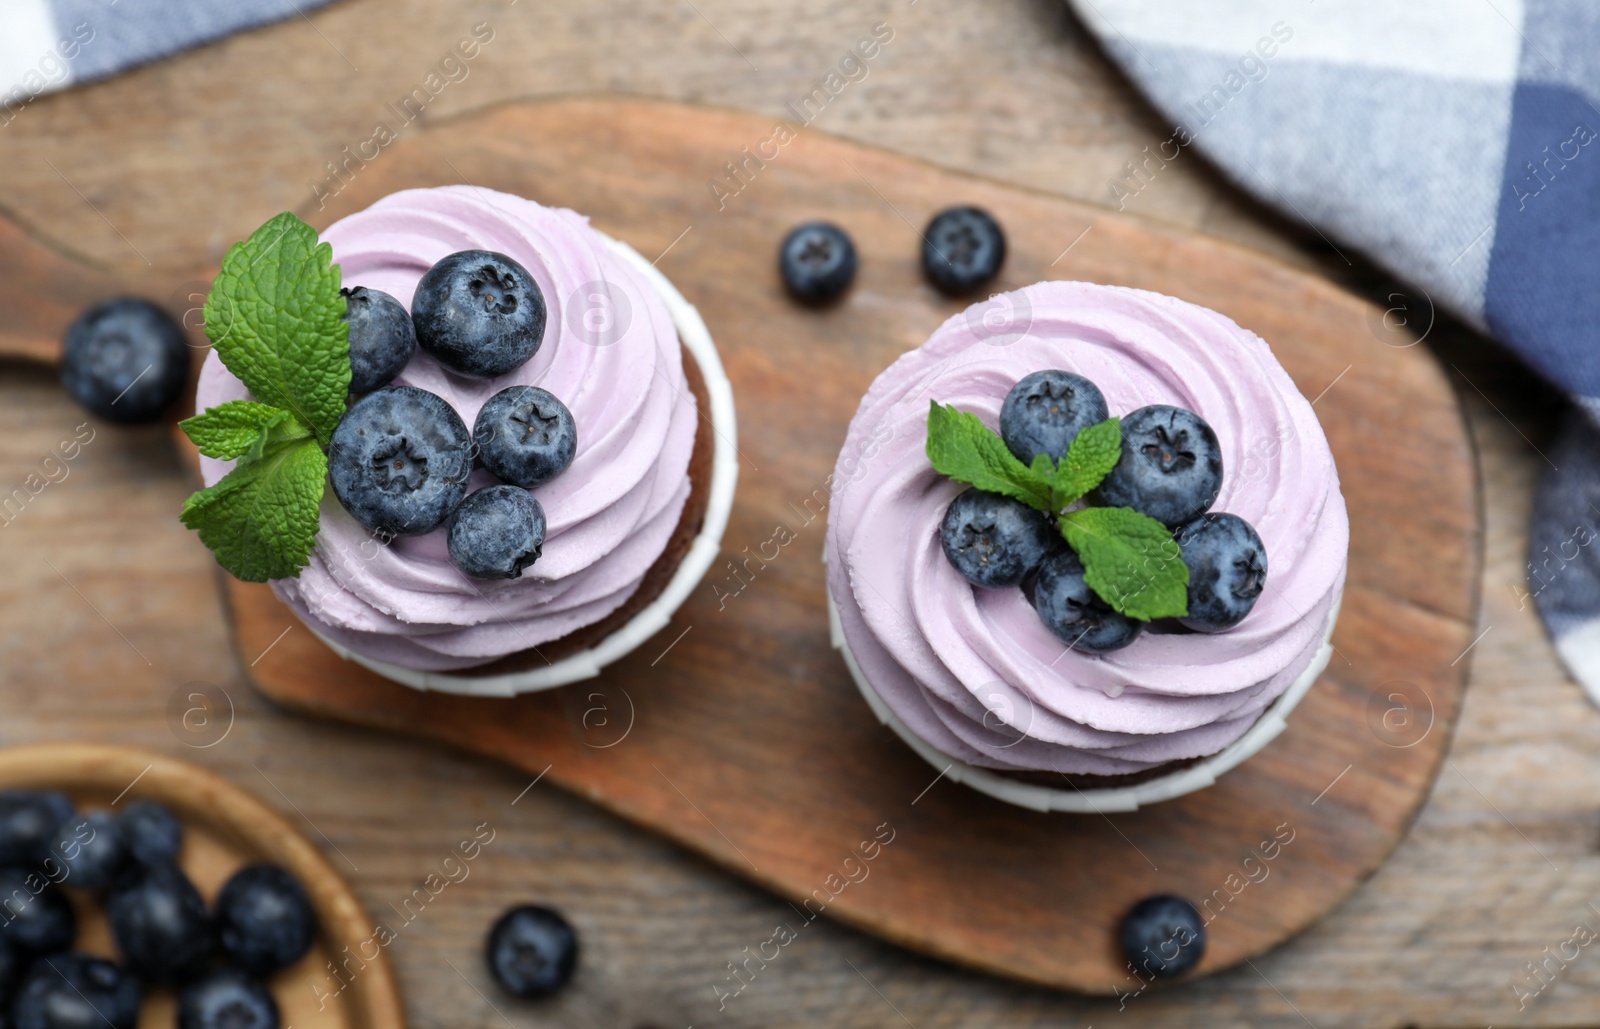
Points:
[381,337]
[1163,937]
[525,436]
[227,999]
[1045,411]
[995,541]
[817,262]
[125,360]
[1074,613]
[11,966]
[37,917]
[28,821]
[160,924]
[264,919]
[1170,468]
[152,833]
[1227,570]
[76,991]
[962,250]
[92,848]
[498,532]
[532,951]
[479,313]
[399,461]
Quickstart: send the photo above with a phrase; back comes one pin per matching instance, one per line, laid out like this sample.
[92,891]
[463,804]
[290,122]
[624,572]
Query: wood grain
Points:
[747,741]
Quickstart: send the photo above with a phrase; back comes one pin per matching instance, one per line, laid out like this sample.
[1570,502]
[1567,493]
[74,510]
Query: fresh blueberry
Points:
[227,999]
[1045,411]
[152,833]
[1227,570]
[92,848]
[399,461]
[532,951]
[38,917]
[479,313]
[125,360]
[1074,613]
[160,924]
[264,919]
[1170,468]
[382,339]
[28,821]
[1163,937]
[994,541]
[817,262]
[962,250]
[498,532]
[525,436]
[11,965]
[76,991]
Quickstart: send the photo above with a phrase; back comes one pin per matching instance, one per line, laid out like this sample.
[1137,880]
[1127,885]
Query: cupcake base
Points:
[689,554]
[1047,791]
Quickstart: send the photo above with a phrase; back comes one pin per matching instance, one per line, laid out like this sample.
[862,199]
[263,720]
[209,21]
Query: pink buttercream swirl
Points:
[974,672]
[610,352]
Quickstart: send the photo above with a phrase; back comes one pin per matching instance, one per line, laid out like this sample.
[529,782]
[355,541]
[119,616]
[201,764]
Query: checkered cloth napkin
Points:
[47,45]
[1451,141]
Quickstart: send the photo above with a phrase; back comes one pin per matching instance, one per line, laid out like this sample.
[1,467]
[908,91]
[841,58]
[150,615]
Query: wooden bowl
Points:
[225,829]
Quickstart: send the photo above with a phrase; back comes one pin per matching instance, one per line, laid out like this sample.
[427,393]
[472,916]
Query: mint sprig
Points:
[1129,559]
[276,319]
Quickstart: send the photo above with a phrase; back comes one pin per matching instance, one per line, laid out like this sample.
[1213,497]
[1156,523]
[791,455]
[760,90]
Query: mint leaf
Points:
[241,429]
[276,319]
[962,447]
[1130,560]
[261,519]
[1093,453]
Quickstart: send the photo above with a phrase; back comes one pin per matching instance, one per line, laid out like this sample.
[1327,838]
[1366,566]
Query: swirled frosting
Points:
[609,516]
[974,672]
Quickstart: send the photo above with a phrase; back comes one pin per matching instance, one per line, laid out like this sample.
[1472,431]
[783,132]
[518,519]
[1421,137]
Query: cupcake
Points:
[523,495]
[1090,562]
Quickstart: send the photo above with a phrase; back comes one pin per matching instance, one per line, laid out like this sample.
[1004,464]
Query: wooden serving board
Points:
[737,731]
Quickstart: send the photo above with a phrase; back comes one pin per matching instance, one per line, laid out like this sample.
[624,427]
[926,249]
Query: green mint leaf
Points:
[261,519]
[276,319]
[1130,560]
[241,429]
[1093,453]
[962,447]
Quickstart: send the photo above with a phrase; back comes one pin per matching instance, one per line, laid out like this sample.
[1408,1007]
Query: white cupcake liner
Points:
[701,556]
[1100,799]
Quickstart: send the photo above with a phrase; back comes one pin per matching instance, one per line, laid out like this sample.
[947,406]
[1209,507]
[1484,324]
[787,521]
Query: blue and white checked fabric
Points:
[46,45]
[1449,141]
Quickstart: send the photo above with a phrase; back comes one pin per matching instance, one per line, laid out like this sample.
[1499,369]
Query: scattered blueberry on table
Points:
[125,360]
[382,338]
[817,262]
[1163,937]
[532,951]
[479,313]
[962,250]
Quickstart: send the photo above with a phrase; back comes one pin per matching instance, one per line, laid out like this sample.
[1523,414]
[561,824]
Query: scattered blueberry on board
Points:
[479,313]
[264,919]
[817,261]
[1171,466]
[382,338]
[962,250]
[1163,937]
[125,360]
[1072,611]
[227,999]
[1045,411]
[399,461]
[161,925]
[994,541]
[75,991]
[1227,570]
[497,533]
[46,922]
[525,436]
[152,833]
[532,951]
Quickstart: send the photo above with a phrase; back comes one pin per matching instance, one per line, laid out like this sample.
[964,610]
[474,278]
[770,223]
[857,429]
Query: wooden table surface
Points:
[168,165]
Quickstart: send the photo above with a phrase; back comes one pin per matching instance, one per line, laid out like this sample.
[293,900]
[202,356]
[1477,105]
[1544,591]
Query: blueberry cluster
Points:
[217,959]
[1170,469]
[401,457]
